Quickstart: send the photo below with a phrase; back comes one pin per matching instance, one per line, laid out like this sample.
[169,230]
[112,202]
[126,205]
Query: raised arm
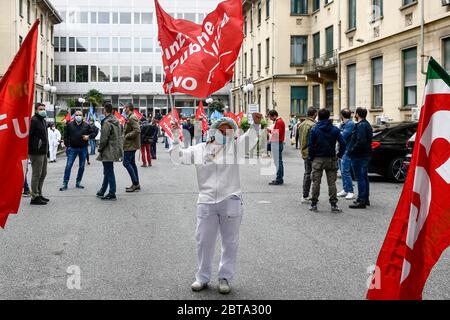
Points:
[252,135]
[178,155]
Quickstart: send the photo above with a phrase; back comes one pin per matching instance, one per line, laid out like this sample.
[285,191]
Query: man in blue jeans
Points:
[131,143]
[277,146]
[347,127]
[360,153]
[76,139]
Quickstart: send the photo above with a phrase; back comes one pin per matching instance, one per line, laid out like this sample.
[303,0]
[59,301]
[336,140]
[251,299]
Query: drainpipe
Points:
[422,38]
[339,54]
[272,60]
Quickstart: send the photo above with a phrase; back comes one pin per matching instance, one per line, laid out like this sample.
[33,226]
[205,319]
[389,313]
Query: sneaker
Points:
[79,186]
[26,194]
[224,287]
[198,286]
[144,165]
[38,202]
[358,205]
[100,194]
[350,196]
[313,208]
[342,194]
[276,183]
[306,200]
[109,197]
[63,188]
[336,209]
[44,199]
[133,188]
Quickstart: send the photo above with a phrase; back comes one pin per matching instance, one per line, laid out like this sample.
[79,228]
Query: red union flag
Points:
[16,101]
[120,118]
[199,59]
[201,113]
[420,229]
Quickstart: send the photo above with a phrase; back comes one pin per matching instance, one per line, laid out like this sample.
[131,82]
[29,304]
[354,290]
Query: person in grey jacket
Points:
[110,150]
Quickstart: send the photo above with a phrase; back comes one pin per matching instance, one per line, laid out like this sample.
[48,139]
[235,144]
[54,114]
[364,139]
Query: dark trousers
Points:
[361,169]
[145,154]
[153,149]
[109,178]
[330,166]
[72,154]
[277,154]
[129,162]
[93,145]
[307,178]
[38,173]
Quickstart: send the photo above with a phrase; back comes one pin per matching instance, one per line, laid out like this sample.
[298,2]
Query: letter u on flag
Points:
[420,229]
[16,101]
[199,59]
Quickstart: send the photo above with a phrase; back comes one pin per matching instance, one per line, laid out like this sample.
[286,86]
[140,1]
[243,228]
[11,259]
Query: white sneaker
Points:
[342,194]
[306,200]
[198,286]
[350,196]
[224,287]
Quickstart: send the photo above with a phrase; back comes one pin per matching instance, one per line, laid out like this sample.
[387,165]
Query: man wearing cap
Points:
[220,196]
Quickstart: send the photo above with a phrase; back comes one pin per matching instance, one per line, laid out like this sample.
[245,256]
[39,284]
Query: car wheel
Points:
[396,170]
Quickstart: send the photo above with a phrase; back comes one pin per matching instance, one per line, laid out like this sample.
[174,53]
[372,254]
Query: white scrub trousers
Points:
[225,217]
[53,150]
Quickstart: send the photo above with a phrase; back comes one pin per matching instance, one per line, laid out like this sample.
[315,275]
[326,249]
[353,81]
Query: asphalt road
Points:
[143,246]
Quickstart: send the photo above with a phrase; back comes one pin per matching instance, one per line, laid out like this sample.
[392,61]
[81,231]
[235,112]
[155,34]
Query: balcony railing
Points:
[323,63]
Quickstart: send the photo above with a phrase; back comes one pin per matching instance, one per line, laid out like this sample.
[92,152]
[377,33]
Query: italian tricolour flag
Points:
[420,229]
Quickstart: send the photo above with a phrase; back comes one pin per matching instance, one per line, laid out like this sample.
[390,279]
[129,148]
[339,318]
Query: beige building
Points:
[337,54]
[16,19]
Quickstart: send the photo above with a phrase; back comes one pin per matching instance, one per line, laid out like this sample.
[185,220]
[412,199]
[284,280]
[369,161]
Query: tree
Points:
[216,105]
[95,98]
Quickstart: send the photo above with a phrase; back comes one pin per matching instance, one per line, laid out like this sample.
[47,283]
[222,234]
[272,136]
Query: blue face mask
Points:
[220,138]
[43,113]
[78,119]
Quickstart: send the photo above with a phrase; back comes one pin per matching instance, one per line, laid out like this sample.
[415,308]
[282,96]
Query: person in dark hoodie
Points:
[322,152]
[37,153]
[76,139]
[360,153]
[110,150]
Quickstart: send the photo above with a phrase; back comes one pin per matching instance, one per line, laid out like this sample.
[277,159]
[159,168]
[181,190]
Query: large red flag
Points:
[166,124]
[199,59]
[231,115]
[16,102]
[138,114]
[201,113]
[120,118]
[420,229]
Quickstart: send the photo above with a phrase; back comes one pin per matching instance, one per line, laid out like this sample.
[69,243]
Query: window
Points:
[377,9]
[82,17]
[56,72]
[21,8]
[329,96]
[201,17]
[93,73]
[55,41]
[103,44]
[245,26]
[93,17]
[299,6]
[20,41]
[146,74]
[147,18]
[82,44]
[104,74]
[41,69]
[82,73]
[115,44]
[316,44]
[94,45]
[71,44]
[137,18]
[137,44]
[329,34]
[137,74]
[125,74]
[377,83]
[251,19]
[251,63]
[63,44]
[299,50]
[351,86]
[410,77]
[189,17]
[259,10]
[115,18]
[268,102]
[316,96]
[63,74]
[158,74]
[71,73]
[267,53]
[299,100]
[267,9]
[147,44]
[406,2]
[351,14]
[125,44]
[245,65]
[103,18]
[125,18]
[316,5]
[259,57]
[29,11]
[446,59]
[115,74]
[42,25]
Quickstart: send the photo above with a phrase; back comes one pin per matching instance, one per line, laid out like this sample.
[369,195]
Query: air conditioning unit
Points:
[415,116]
[379,120]
[445,2]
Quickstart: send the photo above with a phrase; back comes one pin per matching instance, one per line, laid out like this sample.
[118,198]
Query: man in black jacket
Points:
[37,153]
[360,153]
[153,132]
[76,139]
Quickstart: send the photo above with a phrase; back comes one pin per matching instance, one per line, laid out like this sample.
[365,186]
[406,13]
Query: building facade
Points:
[339,54]
[112,46]
[16,19]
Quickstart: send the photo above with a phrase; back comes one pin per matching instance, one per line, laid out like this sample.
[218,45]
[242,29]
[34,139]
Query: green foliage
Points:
[264,124]
[217,105]
[95,98]
[61,127]
[71,103]
[244,124]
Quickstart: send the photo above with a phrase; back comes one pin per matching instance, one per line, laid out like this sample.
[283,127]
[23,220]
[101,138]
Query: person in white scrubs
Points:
[219,205]
[54,139]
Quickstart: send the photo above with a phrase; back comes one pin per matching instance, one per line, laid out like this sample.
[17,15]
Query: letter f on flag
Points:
[420,229]
[16,101]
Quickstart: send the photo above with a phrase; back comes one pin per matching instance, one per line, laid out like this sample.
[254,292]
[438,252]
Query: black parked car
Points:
[389,152]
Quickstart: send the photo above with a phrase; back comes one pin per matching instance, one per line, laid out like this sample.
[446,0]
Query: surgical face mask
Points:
[219,138]
[78,119]
[43,113]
